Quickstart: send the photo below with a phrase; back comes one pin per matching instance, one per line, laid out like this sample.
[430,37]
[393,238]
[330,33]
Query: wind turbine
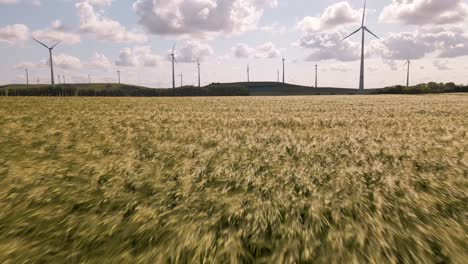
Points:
[283,69]
[89,79]
[118,75]
[364,29]
[52,81]
[173,65]
[316,75]
[278,74]
[27,76]
[58,78]
[408,62]
[248,73]
[198,64]
[181,80]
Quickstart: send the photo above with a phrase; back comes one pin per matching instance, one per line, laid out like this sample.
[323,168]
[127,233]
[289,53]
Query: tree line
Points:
[110,90]
[424,88]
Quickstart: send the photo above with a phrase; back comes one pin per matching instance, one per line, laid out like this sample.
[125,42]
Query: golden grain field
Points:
[345,179]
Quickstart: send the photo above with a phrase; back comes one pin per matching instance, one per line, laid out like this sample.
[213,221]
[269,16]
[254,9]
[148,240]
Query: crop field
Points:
[331,179]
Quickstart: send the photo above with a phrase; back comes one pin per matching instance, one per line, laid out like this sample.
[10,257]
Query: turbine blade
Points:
[353,33]
[55,44]
[173,48]
[364,13]
[40,43]
[371,33]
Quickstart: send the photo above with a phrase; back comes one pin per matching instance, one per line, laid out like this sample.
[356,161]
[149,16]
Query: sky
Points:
[136,37]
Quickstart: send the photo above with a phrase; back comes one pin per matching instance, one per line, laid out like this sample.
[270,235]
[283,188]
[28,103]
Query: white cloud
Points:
[441,65]
[330,46]
[200,17]
[67,62]
[10,2]
[92,22]
[138,56]
[263,51]
[57,32]
[336,15]
[193,51]
[100,61]
[421,12]
[13,34]
[442,41]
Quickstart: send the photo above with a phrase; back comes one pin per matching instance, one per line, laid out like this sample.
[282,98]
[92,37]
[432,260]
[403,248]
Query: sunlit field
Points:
[345,179]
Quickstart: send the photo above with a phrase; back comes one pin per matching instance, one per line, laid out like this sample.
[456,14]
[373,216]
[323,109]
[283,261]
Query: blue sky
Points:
[103,36]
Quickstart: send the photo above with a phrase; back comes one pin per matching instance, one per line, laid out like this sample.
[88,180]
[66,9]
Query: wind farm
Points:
[238,131]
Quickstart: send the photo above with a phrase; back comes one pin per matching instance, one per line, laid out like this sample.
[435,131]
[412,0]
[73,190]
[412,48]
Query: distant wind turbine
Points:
[118,75]
[198,64]
[278,75]
[173,65]
[316,76]
[408,62]
[181,80]
[364,29]
[58,78]
[283,59]
[52,81]
[248,73]
[27,76]
[89,79]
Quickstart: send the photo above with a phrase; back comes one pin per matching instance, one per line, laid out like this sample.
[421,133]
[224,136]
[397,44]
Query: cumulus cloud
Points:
[443,41]
[193,51]
[61,61]
[100,61]
[263,51]
[92,22]
[67,62]
[421,12]
[336,15]
[10,2]
[441,65]
[138,56]
[200,17]
[330,46]
[57,32]
[13,34]
[323,35]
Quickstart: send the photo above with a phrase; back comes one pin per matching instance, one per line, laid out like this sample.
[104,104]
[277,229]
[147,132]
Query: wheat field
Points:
[332,179]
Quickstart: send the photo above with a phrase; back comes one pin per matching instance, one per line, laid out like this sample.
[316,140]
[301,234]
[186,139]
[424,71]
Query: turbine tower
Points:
[58,78]
[173,66]
[248,73]
[283,69]
[118,75]
[408,62]
[89,79]
[52,81]
[278,73]
[316,75]
[27,76]
[198,64]
[363,28]
[181,80]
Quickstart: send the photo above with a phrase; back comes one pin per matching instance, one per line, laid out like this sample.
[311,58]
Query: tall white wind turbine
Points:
[283,59]
[364,29]
[408,62]
[316,76]
[173,65]
[199,82]
[52,81]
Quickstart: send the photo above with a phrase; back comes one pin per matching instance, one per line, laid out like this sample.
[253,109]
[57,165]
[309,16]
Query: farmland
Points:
[330,179]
